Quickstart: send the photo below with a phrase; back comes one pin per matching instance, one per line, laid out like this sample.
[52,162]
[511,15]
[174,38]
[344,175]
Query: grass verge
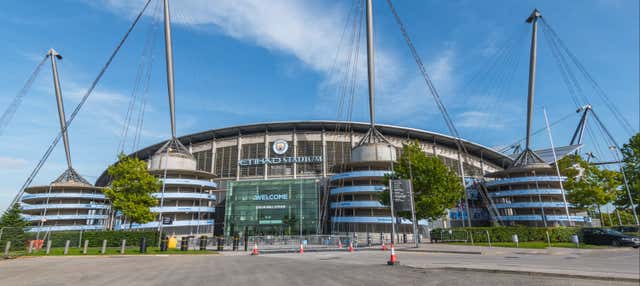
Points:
[530,244]
[59,251]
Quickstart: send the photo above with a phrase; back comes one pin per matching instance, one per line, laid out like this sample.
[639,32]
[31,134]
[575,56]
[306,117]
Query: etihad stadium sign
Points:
[280,147]
[280,160]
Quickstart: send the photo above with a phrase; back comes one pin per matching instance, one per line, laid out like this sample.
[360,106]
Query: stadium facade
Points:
[261,172]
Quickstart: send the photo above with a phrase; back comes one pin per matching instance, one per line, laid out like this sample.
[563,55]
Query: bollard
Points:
[246,242]
[104,246]
[122,246]
[184,244]
[143,245]
[236,241]
[220,245]
[7,248]
[203,242]
[548,239]
[404,238]
[515,239]
[471,236]
[576,240]
[48,250]
[86,245]
[488,237]
[164,243]
[66,247]
[30,249]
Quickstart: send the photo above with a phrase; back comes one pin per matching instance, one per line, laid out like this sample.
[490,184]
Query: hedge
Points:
[503,234]
[114,238]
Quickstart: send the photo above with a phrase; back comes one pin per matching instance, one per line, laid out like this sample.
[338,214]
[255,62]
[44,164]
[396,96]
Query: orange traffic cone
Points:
[350,246]
[393,260]
[301,248]
[384,246]
[340,243]
[255,249]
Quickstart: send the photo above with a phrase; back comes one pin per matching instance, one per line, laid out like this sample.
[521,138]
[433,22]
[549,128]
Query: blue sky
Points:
[252,61]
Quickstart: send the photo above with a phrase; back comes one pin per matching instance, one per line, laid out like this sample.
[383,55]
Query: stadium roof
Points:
[474,149]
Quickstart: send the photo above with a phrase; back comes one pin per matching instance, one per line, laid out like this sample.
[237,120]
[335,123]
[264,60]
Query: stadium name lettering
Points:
[280,160]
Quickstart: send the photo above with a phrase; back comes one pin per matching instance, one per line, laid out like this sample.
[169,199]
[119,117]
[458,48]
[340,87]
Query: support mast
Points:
[56,84]
[370,64]
[169,58]
[532,74]
[528,156]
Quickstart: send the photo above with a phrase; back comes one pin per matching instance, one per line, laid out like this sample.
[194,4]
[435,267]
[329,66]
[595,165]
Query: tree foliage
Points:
[435,186]
[290,222]
[587,185]
[12,218]
[631,166]
[12,225]
[131,189]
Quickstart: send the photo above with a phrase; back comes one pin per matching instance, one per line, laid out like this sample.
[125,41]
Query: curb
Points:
[441,251]
[532,273]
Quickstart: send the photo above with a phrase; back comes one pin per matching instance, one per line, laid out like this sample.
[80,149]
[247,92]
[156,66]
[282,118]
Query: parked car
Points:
[605,236]
[627,228]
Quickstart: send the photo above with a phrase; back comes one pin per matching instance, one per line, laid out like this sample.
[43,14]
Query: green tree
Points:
[587,185]
[12,225]
[290,222]
[631,166]
[435,186]
[131,189]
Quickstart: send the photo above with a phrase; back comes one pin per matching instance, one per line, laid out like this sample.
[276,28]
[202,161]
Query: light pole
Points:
[393,217]
[615,149]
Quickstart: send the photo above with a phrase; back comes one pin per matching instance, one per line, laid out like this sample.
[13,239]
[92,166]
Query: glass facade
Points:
[272,207]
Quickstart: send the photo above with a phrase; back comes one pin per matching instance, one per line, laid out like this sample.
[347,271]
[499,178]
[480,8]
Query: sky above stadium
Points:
[249,61]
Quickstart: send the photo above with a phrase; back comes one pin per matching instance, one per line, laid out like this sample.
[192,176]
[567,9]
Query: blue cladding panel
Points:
[359,174]
[357,189]
[533,205]
[526,192]
[357,204]
[531,179]
[191,182]
[64,195]
[183,209]
[63,206]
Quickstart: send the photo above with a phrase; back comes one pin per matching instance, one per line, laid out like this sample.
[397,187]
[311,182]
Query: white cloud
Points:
[311,32]
[10,163]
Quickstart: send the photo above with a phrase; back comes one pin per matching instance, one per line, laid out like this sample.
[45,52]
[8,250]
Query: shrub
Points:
[504,234]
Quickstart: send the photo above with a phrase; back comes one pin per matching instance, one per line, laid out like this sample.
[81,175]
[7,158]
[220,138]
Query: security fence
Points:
[16,242]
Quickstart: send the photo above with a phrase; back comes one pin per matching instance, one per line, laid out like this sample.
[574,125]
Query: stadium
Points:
[257,174]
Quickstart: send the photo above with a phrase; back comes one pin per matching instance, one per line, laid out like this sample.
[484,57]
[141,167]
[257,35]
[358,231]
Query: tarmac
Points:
[428,265]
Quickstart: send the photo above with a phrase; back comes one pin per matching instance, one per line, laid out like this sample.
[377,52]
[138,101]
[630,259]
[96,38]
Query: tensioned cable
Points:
[599,91]
[140,77]
[17,100]
[147,82]
[78,107]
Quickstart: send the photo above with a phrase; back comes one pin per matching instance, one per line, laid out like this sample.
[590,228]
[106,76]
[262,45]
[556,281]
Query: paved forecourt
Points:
[323,268]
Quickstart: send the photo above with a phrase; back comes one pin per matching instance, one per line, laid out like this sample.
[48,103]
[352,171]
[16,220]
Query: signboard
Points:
[402,192]
[280,147]
[167,220]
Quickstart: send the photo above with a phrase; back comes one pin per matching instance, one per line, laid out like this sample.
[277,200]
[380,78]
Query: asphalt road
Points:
[290,269]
